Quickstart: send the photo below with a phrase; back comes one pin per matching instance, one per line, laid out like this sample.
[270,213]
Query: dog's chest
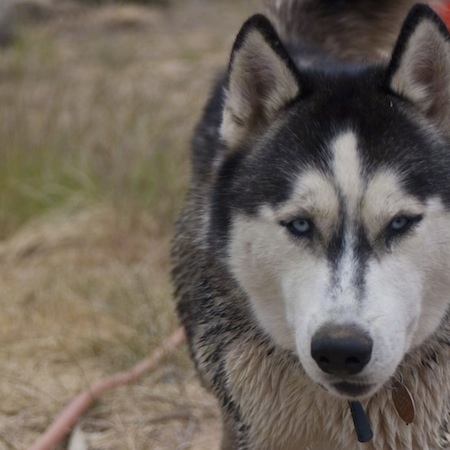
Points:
[286,410]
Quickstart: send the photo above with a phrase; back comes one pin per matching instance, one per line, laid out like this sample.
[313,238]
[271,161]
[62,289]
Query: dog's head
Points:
[333,200]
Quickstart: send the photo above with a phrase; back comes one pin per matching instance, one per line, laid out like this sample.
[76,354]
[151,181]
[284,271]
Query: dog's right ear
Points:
[262,79]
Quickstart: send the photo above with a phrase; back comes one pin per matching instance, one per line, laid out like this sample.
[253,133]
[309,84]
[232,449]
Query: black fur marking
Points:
[336,247]
[362,251]
[206,144]
[223,197]
[445,432]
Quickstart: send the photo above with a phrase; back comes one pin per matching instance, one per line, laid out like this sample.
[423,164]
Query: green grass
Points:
[68,142]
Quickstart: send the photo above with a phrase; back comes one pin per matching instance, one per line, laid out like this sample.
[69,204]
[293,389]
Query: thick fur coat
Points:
[312,259]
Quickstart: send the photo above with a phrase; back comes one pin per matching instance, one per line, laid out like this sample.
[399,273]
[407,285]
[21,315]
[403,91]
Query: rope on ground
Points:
[78,406]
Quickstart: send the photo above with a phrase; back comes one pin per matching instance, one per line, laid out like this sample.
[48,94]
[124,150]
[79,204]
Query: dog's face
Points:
[338,202]
[346,258]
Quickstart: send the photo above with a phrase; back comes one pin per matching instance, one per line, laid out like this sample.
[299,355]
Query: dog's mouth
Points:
[352,390]
[349,389]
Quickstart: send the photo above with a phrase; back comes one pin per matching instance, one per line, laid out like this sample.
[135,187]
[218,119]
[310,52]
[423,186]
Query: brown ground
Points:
[97,104]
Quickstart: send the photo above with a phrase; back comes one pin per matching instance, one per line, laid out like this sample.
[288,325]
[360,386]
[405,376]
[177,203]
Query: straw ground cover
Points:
[97,105]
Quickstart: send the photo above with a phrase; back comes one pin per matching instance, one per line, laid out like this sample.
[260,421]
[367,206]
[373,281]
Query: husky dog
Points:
[312,259]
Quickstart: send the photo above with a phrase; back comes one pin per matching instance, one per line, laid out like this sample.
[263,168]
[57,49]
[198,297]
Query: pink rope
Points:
[78,406]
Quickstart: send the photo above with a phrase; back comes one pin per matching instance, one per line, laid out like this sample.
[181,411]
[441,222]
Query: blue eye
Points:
[400,223]
[299,227]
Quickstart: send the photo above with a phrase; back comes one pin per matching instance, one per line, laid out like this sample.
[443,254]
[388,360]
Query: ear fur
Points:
[262,79]
[420,65]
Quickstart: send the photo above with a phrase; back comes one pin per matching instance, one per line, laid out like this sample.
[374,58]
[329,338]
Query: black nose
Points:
[341,349]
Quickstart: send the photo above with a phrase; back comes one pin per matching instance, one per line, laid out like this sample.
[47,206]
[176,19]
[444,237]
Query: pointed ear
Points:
[420,65]
[262,79]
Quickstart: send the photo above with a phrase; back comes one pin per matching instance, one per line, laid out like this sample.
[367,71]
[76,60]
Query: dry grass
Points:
[97,105]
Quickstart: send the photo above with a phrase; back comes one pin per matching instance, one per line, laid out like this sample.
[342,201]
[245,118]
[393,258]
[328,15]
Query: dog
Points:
[311,262]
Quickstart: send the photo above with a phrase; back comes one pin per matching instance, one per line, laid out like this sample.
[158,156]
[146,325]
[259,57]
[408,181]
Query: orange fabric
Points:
[443,9]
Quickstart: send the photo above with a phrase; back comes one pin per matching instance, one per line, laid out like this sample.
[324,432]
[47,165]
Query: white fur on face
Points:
[347,170]
[295,289]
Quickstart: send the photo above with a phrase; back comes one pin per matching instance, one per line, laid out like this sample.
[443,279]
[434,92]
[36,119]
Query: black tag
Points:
[361,422]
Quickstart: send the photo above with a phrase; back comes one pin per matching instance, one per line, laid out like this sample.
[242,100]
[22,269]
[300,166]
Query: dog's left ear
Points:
[420,66]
